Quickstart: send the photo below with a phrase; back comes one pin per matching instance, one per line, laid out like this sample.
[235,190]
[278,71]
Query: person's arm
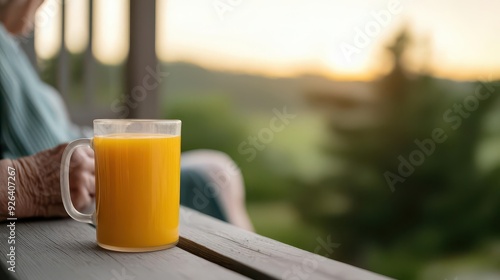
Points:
[37,190]
[4,165]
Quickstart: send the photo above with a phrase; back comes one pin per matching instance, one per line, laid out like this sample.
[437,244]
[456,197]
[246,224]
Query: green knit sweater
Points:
[32,114]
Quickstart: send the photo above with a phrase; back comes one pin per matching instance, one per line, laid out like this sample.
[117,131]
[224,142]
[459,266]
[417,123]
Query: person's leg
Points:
[197,193]
[212,184]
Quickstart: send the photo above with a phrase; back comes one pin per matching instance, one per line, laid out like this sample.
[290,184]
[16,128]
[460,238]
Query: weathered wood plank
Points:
[259,257]
[65,249]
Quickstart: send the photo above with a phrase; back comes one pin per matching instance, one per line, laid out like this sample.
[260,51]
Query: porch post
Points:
[143,99]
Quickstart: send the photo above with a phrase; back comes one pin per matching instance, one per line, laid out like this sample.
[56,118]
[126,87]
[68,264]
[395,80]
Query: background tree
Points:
[444,208]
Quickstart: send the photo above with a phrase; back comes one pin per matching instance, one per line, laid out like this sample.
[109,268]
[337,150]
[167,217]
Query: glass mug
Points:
[137,181]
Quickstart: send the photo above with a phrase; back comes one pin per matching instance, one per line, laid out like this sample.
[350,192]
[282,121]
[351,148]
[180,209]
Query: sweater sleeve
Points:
[32,114]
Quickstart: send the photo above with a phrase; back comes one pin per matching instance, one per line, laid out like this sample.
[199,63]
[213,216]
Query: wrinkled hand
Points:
[38,187]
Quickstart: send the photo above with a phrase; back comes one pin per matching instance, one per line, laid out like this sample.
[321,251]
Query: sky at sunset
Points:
[339,39]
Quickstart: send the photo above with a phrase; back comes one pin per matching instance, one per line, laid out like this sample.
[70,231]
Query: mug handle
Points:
[65,192]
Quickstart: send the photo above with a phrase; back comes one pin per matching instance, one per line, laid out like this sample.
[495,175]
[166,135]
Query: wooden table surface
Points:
[208,249]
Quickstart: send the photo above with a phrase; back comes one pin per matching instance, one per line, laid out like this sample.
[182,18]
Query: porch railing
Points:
[141,57]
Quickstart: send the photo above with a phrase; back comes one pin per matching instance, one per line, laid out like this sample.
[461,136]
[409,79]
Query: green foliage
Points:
[446,206]
[105,80]
[211,122]
[208,123]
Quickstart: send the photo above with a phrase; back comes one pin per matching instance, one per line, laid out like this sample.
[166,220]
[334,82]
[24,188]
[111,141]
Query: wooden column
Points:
[141,60]
[89,61]
[62,62]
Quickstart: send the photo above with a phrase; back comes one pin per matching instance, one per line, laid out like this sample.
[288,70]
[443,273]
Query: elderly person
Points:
[34,127]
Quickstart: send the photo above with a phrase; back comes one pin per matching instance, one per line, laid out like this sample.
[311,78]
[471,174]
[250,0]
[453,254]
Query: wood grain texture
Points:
[208,249]
[65,249]
[259,257]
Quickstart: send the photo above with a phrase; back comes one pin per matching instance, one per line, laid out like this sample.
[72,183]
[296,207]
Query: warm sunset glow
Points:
[283,37]
[77,21]
[161,33]
[111,28]
[48,29]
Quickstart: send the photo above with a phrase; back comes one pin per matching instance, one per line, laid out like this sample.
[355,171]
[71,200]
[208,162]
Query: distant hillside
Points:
[259,93]
[252,92]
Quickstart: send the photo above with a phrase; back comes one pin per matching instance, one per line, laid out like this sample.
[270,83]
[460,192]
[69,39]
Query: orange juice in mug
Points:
[137,169]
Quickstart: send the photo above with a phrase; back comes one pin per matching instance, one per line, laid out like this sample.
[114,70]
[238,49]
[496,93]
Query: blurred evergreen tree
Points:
[438,210]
